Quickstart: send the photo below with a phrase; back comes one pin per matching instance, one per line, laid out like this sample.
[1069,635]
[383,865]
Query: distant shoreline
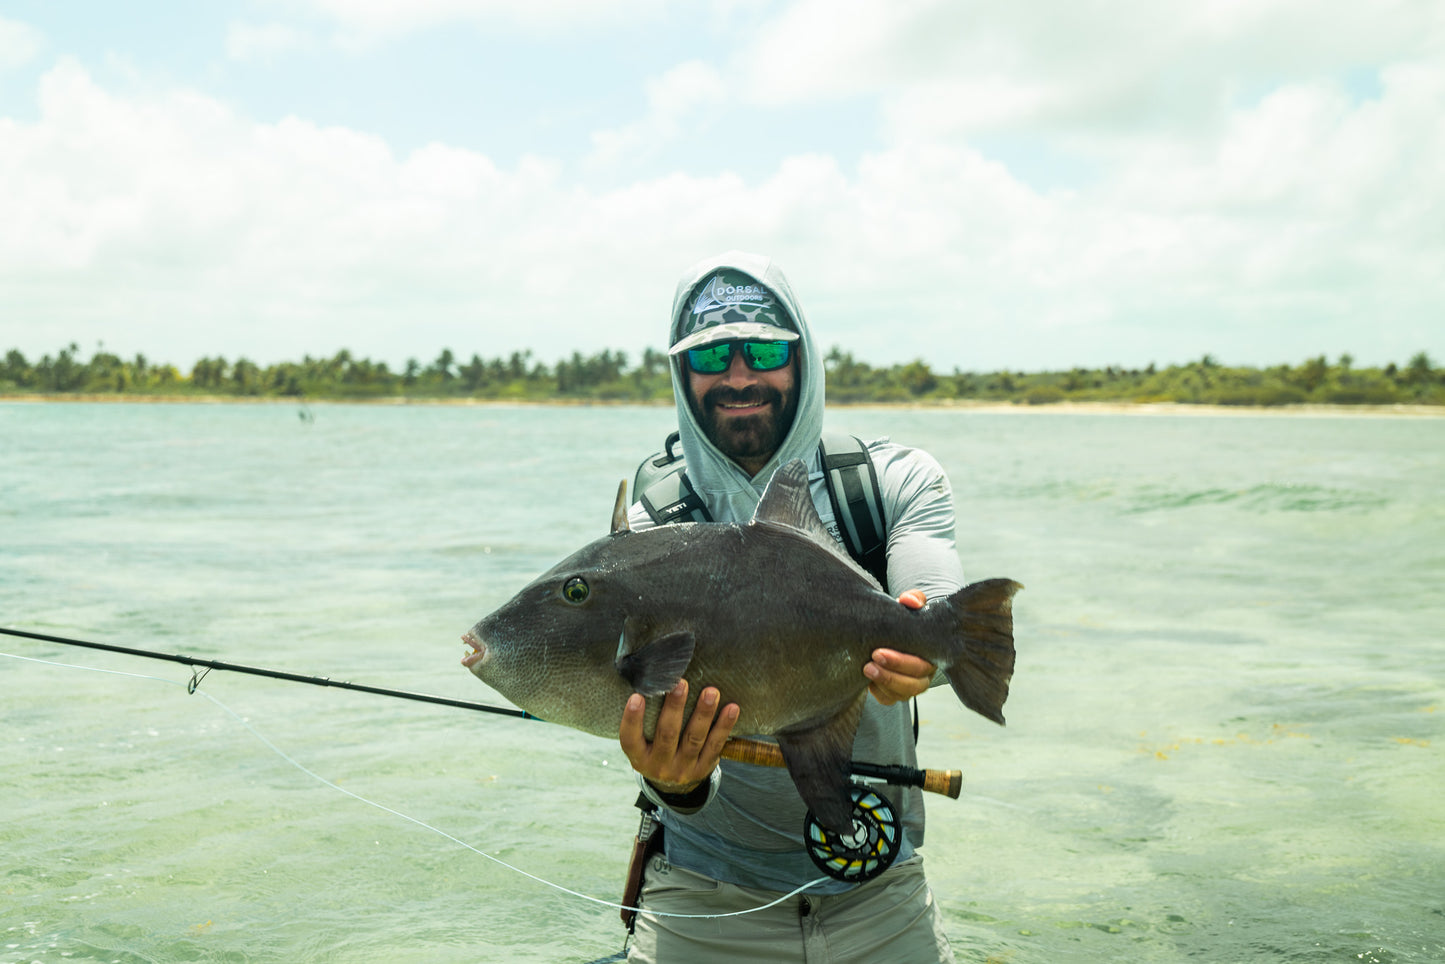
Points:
[981,407]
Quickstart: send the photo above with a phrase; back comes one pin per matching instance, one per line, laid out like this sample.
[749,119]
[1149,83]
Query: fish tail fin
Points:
[983,645]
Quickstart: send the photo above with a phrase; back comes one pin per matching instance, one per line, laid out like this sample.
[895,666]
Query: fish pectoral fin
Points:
[655,668]
[819,762]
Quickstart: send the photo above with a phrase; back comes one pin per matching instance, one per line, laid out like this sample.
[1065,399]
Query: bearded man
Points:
[748,382]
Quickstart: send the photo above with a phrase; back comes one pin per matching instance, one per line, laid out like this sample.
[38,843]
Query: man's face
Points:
[745,413]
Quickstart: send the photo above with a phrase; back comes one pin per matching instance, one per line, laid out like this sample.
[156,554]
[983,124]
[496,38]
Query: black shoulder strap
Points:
[857,501]
[864,526]
[656,465]
[662,486]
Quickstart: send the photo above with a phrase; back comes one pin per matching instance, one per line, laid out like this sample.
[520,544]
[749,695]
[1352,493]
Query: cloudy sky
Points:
[985,184]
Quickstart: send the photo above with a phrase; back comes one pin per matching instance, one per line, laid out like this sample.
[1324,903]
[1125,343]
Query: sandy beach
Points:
[998,408]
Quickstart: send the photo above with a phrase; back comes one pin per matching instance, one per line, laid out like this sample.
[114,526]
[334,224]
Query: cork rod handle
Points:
[947,782]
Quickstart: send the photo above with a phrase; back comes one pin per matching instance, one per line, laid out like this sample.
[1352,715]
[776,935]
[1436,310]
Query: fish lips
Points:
[478,655]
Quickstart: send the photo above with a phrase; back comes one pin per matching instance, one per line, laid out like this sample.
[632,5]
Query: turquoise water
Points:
[1224,743]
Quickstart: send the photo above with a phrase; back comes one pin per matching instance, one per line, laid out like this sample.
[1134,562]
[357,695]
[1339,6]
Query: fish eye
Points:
[575,590]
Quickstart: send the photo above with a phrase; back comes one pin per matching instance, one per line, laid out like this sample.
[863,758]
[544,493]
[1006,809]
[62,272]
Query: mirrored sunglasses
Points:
[760,356]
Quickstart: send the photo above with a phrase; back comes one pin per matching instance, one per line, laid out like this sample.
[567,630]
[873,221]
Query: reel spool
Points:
[868,850]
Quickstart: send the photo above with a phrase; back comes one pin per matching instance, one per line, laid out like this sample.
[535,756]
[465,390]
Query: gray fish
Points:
[773,613]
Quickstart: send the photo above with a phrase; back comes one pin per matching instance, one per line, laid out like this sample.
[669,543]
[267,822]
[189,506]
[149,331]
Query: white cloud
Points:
[361,23]
[20,43]
[1299,218]
[678,103]
[946,68]
[181,227]
[248,42]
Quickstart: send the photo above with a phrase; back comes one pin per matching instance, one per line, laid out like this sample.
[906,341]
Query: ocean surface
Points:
[1226,738]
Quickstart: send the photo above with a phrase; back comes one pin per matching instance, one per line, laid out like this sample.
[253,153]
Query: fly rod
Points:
[211,664]
[742,750]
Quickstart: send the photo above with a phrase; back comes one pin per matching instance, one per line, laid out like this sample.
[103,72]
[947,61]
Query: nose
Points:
[738,371]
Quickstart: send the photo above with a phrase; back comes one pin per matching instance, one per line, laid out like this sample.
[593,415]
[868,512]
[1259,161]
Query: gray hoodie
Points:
[730,494]
[750,830]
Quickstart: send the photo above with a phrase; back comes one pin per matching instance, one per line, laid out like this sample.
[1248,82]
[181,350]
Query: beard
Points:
[752,437]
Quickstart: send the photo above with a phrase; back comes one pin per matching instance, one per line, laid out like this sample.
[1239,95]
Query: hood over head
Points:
[738,295]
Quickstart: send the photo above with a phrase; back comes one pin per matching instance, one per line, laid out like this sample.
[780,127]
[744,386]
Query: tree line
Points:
[610,376]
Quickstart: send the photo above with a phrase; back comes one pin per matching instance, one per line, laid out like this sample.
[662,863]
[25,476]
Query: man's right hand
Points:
[679,758]
[895,677]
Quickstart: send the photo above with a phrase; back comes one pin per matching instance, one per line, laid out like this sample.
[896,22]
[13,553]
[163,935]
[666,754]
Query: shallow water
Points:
[1224,738]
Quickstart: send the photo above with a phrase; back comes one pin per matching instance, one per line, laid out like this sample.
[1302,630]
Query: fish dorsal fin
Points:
[788,502]
[653,663]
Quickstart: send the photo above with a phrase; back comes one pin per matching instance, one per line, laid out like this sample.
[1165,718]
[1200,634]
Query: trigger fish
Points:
[773,613]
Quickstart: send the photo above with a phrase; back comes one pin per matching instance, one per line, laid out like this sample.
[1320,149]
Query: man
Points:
[748,382]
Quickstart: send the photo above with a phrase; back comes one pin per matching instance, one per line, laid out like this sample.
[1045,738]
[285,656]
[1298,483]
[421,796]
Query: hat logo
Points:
[714,298]
[717,294]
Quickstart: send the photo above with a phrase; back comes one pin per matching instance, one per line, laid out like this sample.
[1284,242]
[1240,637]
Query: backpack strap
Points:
[672,499]
[864,526]
[662,486]
[857,501]
[656,465]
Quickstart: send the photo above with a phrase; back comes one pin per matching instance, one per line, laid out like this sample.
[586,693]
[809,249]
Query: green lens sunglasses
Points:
[760,356]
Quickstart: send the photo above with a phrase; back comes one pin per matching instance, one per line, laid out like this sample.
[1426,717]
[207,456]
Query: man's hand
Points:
[679,758]
[893,676]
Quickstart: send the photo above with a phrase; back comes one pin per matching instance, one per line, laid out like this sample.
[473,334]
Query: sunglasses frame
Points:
[735,346]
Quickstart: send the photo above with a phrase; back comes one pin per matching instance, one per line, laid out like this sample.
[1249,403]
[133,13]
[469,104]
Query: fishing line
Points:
[192,688]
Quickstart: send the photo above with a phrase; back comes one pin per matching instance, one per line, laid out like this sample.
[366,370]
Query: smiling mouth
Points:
[740,407]
[478,653]
[740,403]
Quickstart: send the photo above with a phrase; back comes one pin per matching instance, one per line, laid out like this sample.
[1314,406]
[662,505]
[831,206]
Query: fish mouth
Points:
[479,650]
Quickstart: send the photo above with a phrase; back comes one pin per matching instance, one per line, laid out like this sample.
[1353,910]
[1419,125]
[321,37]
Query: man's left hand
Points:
[895,677]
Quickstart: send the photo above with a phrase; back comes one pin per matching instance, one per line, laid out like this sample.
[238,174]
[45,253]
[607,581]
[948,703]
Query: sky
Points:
[981,184]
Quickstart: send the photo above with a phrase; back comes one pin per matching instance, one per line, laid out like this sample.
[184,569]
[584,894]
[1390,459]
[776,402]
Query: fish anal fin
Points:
[819,761]
[655,667]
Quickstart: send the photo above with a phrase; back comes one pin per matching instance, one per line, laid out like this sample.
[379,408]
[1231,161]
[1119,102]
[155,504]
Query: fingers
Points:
[682,753]
[913,598]
[669,721]
[894,676]
[708,730]
[630,735]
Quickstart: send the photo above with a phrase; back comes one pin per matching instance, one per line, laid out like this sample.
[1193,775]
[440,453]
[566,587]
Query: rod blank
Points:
[193,661]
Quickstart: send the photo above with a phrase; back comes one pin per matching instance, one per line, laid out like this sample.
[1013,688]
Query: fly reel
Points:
[868,850]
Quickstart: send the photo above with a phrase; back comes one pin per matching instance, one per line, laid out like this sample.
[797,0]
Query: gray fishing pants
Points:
[890,920]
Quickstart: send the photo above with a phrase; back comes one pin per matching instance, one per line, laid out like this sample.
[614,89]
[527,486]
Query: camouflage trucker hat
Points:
[731,306]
